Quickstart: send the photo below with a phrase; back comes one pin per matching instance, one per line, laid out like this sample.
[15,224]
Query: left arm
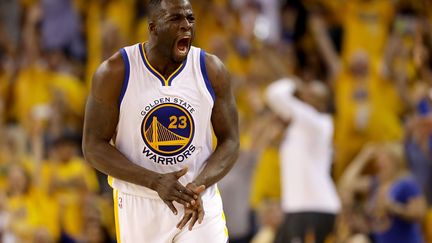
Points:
[414,210]
[225,125]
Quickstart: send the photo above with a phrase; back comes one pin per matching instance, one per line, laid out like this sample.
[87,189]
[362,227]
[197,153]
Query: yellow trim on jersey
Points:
[110,181]
[223,214]
[116,216]
[166,81]
[225,227]
[226,231]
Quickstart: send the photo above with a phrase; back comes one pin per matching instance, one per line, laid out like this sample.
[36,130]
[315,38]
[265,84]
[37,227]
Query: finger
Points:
[181,172]
[184,220]
[193,220]
[186,193]
[183,202]
[200,189]
[200,213]
[171,206]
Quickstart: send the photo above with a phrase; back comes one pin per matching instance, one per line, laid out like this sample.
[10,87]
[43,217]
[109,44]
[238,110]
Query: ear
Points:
[152,28]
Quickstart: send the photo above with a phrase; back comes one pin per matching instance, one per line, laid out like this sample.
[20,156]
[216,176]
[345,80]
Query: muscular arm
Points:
[101,117]
[225,125]
[100,122]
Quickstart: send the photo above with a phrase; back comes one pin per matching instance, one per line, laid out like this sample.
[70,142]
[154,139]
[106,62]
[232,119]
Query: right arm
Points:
[100,122]
[325,45]
[281,100]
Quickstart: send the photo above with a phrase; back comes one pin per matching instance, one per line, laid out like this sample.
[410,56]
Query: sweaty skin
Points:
[225,126]
[174,22]
[100,122]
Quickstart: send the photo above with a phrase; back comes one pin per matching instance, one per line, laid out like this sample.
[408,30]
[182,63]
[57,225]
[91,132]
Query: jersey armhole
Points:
[205,76]
[126,75]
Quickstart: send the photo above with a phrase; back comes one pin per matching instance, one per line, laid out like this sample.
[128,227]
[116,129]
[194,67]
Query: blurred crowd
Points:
[375,57]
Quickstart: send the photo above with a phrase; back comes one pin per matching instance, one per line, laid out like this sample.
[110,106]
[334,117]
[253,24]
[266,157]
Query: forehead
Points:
[176,6]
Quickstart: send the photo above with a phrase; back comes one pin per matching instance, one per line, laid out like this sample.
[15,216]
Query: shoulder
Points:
[111,68]
[407,186]
[108,78]
[217,73]
[214,64]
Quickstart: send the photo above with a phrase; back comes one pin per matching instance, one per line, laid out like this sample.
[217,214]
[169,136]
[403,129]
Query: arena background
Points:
[49,50]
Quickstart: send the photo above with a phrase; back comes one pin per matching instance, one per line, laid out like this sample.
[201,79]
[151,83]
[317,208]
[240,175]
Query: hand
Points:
[195,212]
[169,189]
[393,207]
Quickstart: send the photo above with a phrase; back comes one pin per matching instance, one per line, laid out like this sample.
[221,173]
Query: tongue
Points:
[182,45]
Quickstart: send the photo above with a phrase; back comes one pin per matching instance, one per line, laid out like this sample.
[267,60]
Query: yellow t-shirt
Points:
[75,168]
[47,213]
[71,198]
[43,210]
[36,86]
[72,89]
[121,14]
[266,179]
[367,110]
[31,89]
[24,219]
[32,211]
[366,25]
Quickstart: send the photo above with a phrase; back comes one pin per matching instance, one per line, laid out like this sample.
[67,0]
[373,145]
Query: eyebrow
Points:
[180,14]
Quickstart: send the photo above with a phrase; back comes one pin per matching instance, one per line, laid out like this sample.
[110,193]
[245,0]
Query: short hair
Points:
[154,7]
[155,2]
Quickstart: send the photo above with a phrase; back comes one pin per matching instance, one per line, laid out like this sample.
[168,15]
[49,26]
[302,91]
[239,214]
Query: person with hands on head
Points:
[305,159]
[148,125]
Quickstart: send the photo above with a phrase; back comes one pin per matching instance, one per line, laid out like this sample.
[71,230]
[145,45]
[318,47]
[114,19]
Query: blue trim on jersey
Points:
[126,75]
[141,49]
[178,71]
[205,76]
[165,82]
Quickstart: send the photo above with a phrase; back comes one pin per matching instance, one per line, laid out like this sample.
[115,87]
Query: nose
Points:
[186,25]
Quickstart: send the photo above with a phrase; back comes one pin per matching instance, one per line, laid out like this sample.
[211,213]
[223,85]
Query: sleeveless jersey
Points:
[164,124]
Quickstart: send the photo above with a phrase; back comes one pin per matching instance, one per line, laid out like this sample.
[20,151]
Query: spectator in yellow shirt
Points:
[30,213]
[365,101]
[70,182]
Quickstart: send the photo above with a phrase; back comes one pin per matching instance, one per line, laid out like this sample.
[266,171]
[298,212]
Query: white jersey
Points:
[164,124]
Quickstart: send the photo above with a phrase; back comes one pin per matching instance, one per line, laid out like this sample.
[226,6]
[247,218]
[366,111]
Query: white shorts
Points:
[146,220]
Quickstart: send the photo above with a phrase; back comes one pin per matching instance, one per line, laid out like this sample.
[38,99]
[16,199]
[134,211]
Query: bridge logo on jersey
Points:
[167,130]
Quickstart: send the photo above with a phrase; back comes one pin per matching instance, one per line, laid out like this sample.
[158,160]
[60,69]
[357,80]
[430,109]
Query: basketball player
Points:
[148,125]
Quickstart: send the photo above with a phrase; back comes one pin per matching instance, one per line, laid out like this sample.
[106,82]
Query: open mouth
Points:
[183,45]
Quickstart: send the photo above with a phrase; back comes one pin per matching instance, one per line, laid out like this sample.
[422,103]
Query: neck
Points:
[160,59]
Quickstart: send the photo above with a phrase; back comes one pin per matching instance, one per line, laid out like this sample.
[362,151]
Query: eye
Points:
[175,18]
[191,18]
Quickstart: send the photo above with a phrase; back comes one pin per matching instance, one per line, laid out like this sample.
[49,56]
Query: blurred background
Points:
[373,55]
